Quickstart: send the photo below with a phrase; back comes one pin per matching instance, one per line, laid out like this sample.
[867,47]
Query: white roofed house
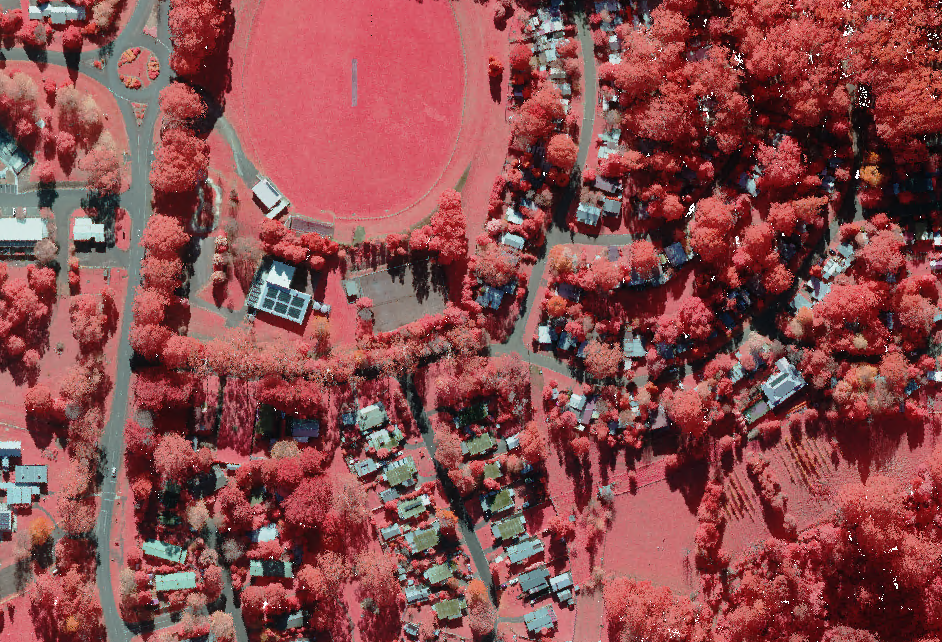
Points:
[513,240]
[20,235]
[371,417]
[58,14]
[86,230]
[783,384]
[271,200]
[588,214]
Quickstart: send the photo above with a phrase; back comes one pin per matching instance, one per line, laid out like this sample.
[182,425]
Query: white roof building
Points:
[21,232]
[513,240]
[271,199]
[58,14]
[87,230]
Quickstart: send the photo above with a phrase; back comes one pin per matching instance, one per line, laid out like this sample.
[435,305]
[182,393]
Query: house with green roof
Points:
[412,508]
[270,568]
[401,472]
[479,445]
[387,439]
[510,527]
[161,550]
[423,539]
[449,609]
[175,581]
[438,574]
[492,470]
[497,502]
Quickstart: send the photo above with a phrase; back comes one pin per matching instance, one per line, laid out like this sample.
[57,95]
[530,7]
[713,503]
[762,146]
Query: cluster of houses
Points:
[415,532]
[551,335]
[28,484]
[543,32]
[523,551]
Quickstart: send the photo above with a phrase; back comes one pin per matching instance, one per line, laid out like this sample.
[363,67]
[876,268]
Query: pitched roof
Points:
[535,581]
[479,445]
[437,574]
[412,508]
[270,568]
[449,609]
[164,551]
[424,539]
[372,416]
[266,192]
[543,618]
[496,502]
[175,581]
[509,527]
[783,384]
[401,472]
[524,550]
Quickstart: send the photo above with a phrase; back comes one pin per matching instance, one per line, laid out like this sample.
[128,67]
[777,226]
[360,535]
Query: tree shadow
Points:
[691,480]
[497,85]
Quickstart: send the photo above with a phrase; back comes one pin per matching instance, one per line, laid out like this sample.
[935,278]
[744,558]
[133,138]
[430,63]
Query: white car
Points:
[114,472]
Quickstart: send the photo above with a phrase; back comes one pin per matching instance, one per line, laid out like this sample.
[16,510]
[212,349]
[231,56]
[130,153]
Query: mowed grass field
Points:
[293,101]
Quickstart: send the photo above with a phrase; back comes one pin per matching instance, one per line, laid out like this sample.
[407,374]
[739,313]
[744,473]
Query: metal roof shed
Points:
[513,240]
[267,194]
[30,474]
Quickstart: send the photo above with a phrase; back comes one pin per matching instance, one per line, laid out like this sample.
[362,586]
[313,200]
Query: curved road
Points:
[137,202]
